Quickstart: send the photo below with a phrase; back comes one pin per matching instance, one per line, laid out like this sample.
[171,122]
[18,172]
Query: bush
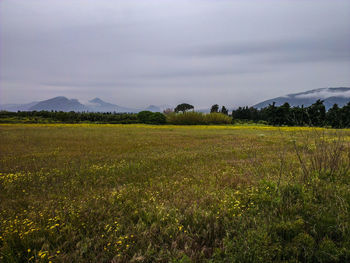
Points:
[198,118]
[186,118]
[149,117]
[157,118]
[217,118]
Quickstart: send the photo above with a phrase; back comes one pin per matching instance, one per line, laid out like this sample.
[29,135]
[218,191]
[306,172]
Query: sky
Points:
[140,52]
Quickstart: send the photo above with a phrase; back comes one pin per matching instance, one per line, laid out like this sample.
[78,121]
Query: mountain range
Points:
[330,96]
[62,103]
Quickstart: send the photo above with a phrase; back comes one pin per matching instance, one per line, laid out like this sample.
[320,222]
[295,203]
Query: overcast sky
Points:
[140,52]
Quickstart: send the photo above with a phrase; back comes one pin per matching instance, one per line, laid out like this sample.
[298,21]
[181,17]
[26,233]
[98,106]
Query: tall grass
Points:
[198,118]
[142,193]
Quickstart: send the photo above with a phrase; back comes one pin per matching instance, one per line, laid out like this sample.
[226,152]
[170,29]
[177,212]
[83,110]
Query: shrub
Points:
[323,157]
[186,118]
[157,118]
[217,118]
[151,117]
[198,118]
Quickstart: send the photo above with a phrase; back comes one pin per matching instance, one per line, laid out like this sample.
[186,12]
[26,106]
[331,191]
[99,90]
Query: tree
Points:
[183,107]
[144,116]
[253,114]
[271,113]
[157,118]
[224,110]
[283,114]
[298,116]
[242,113]
[151,117]
[333,117]
[214,108]
[317,113]
[345,116]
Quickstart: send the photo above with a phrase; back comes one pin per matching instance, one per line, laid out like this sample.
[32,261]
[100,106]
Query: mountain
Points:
[153,108]
[59,104]
[330,96]
[98,105]
[18,107]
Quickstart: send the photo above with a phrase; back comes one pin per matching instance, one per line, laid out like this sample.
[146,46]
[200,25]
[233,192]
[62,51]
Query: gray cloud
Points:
[325,94]
[155,52]
[331,48]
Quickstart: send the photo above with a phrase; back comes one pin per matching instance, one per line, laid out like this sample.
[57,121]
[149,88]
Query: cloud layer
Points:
[136,53]
[323,94]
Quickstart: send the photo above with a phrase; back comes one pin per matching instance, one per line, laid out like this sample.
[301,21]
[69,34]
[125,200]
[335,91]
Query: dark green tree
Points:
[298,116]
[224,110]
[334,117]
[144,116]
[242,113]
[214,108]
[157,118]
[283,115]
[253,114]
[345,116]
[151,117]
[317,114]
[271,114]
[183,107]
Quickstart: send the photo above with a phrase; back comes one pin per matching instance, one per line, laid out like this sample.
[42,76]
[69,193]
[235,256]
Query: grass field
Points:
[138,193]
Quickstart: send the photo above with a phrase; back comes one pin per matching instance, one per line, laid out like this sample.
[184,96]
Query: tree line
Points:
[313,115]
[68,117]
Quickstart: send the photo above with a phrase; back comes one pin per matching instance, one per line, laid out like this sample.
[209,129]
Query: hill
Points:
[98,105]
[330,96]
[59,104]
[18,107]
[62,103]
[153,108]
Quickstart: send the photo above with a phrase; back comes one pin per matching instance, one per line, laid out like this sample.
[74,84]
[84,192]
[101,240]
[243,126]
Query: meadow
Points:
[148,193]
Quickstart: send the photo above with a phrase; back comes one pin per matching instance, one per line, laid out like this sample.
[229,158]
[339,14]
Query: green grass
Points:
[138,193]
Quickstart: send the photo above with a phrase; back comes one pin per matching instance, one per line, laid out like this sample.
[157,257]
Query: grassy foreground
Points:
[138,193]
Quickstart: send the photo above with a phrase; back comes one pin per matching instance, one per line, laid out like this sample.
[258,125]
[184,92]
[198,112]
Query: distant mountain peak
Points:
[97,100]
[59,103]
[153,108]
[330,96]
[58,98]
